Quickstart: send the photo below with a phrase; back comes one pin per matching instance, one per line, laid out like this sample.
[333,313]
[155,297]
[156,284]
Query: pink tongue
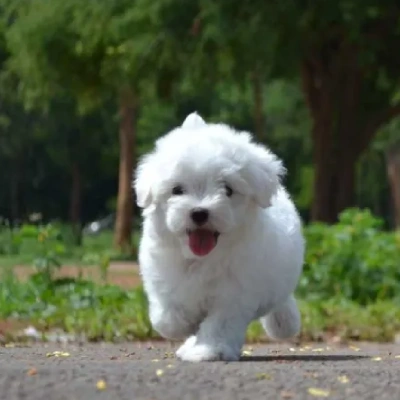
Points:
[202,241]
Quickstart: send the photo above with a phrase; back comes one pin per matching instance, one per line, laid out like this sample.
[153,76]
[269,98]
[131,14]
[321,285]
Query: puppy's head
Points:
[204,180]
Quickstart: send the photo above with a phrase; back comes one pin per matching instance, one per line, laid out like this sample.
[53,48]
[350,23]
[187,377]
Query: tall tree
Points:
[387,145]
[75,144]
[231,33]
[350,80]
[393,170]
[94,50]
[346,54]
[15,126]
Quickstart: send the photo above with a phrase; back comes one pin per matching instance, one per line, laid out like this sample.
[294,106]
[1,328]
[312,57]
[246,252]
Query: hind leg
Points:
[284,321]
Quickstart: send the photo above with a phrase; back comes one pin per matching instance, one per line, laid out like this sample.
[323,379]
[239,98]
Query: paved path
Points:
[149,372]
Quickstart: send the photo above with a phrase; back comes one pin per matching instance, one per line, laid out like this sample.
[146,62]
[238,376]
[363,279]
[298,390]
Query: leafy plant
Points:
[349,287]
[353,259]
[77,306]
[49,250]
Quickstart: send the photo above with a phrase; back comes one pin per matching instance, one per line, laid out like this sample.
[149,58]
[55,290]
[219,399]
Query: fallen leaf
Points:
[319,349]
[159,372]
[354,348]
[285,394]
[311,375]
[292,349]
[155,360]
[397,356]
[318,392]
[9,345]
[101,384]
[58,354]
[263,376]
[170,366]
[343,379]
[246,353]
[376,358]
[32,371]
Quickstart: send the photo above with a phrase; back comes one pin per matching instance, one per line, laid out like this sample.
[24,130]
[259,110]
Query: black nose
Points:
[199,216]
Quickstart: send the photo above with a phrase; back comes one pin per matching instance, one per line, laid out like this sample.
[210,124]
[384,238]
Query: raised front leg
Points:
[220,337]
[171,322]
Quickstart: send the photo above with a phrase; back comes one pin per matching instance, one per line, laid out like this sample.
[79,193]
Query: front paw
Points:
[206,352]
[186,346]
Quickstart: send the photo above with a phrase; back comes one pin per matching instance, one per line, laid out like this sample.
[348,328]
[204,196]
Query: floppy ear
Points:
[263,174]
[144,179]
[193,120]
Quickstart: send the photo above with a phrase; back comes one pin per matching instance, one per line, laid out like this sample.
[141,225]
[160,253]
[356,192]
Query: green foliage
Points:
[179,58]
[91,49]
[48,246]
[377,321]
[338,316]
[49,250]
[353,259]
[78,306]
[61,59]
[98,312]
[349,287]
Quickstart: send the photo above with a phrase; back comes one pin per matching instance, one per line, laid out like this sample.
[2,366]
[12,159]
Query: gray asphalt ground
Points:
[150,372]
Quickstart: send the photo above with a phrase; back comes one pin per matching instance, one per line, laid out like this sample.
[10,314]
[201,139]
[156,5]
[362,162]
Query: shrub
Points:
[354,259]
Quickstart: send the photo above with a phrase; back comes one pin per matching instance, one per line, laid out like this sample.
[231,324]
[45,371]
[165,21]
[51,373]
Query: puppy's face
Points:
[203,201]
[203,182]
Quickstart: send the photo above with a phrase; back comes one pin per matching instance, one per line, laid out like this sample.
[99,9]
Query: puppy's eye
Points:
[228,191]
[177,190]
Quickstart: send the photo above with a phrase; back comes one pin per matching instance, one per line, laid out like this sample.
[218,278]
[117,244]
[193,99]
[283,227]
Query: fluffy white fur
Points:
[254,268]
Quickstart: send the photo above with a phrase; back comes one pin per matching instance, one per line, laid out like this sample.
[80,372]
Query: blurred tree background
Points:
[87,86]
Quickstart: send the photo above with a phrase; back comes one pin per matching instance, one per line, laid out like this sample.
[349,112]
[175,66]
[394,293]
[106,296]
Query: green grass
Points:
[26,250]
[107,312]
[99,312]
[350,286]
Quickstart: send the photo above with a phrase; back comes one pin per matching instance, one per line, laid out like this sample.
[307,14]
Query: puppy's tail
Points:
[284,321]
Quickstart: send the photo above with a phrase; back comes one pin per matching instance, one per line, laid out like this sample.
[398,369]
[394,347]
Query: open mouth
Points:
[202,241]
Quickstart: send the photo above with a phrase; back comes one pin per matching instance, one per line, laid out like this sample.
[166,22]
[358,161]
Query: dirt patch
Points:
[124,274]
[8,326]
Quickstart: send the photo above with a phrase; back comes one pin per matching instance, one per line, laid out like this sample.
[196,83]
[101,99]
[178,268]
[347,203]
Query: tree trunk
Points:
[346,180]
[15,190]
[344,124]
[393,170]
[323,208]
[124,212]
[334,184]
[334,112]
[259,122]
[14,198]
[76,203]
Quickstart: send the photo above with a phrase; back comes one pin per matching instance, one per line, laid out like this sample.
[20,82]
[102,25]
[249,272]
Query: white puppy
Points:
[222,243]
